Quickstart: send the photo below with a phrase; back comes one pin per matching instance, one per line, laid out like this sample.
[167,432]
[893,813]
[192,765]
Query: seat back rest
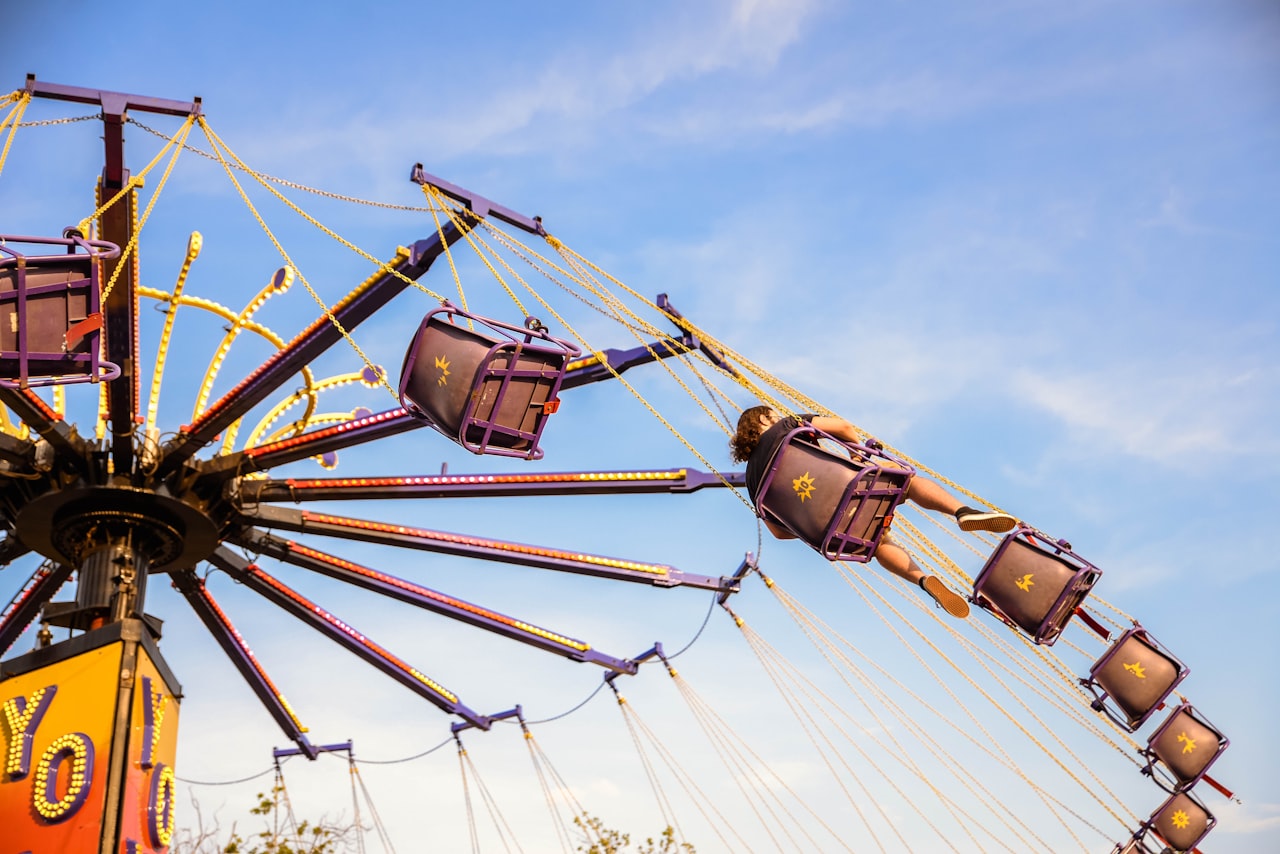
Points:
[1182,821]
[488,386]
[836,504]
[1034,583]
[1186,744]
[1137,674]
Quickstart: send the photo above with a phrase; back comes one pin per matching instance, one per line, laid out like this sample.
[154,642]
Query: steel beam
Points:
[26,605]
[322,334]
[233,644]
[343,634]
[677,481]
[462,545]
[428,599]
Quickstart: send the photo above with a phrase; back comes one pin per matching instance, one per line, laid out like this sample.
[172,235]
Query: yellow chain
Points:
[219,146]
[619,308]
[14,118]
[275,180]
[215,142]
[128,250]
[467,234]
[448,250]
[599,354]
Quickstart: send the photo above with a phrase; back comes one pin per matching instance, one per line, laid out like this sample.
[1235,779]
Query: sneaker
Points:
[985,520]
[948,600]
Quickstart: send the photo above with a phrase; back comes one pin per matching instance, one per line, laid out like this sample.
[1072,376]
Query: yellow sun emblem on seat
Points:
[1025,583]
[1180,819]
[803,485]
[1136,669]
[1188,743]
[443,364]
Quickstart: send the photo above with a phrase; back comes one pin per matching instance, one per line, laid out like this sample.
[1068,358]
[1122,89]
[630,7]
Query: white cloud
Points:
[1172,413]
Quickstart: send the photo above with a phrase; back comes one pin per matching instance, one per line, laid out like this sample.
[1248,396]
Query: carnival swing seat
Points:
[487,385]
[1136,673]
[1034,583]
[50,318]
[1181,822]
[841,506]
[1185,745]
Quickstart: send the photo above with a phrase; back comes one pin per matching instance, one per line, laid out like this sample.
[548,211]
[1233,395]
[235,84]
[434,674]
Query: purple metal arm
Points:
[517,713]
[654,651]
[477,204]
[484,485]
[282,752]
[121,310]
[322,334]
[336,630]
[590,369]
[68,447]
[424,597]
[441,542]
[114,103]
[747,566]
[215,620]
[310,444]
[26,605]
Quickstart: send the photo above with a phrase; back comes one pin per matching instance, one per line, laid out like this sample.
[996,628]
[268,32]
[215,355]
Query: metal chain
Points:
[67,121]
[284,182]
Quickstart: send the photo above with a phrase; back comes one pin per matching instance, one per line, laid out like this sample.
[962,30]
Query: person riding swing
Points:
[761,432]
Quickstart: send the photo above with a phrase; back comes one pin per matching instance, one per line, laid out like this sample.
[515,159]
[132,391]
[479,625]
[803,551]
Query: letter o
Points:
[160,806]
[74,746]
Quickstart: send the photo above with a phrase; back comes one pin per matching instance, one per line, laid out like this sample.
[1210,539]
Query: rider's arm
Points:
[837,427]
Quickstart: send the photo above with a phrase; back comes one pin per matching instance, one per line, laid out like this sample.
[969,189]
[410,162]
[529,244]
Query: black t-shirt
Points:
[758,462]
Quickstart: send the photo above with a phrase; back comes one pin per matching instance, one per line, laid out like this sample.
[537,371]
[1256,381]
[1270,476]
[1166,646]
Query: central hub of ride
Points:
[155,528]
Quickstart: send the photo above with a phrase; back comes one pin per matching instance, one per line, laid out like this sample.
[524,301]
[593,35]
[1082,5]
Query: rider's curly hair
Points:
[744,441]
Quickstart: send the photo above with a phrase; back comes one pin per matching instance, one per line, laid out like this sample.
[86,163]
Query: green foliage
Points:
[606,840]
[322,837]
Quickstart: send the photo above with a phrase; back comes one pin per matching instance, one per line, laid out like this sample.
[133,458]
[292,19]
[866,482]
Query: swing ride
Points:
[89,723]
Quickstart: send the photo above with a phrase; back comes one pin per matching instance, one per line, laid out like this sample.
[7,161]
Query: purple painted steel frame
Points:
[591,369]
[340,632]
[282,752]
[476,203]
[548,345]
[206,608]
[297,490]
[426,598]
[322,334]
[516,712]
[327,525]
[22,291]
[121,311]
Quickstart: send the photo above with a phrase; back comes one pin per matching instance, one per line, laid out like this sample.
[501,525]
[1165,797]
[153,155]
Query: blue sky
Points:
[1032,246]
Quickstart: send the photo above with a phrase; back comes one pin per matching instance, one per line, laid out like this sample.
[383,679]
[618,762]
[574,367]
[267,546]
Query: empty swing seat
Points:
[1137,674]
[1034,583]
[488,388]
[50,323]
[1182,822]
[1185,745]
[841,506]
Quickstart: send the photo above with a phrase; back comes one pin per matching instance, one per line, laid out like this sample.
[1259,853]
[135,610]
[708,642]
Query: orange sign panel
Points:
[56,737]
